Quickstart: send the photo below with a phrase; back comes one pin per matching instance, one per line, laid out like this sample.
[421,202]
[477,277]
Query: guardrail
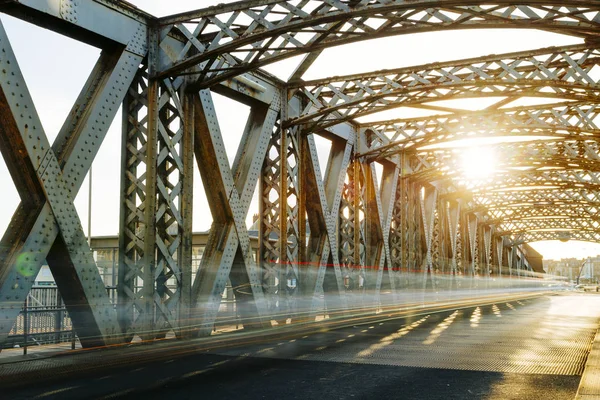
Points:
[44,318]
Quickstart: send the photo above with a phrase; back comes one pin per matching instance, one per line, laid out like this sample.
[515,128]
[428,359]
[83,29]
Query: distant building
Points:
[106,254]
[571,267]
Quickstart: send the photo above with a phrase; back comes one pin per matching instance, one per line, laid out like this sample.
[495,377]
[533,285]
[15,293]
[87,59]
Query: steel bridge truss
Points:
[391,208]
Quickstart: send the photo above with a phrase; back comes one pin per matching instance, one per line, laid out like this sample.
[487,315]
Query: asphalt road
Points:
[528,349]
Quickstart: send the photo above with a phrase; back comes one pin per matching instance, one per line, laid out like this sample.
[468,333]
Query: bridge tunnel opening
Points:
[274,237]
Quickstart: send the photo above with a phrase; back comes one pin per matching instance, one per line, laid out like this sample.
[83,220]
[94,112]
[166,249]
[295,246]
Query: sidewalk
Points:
[589,387]
[36,352]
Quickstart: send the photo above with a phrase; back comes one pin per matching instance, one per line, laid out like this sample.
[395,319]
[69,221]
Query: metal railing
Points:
[43,320]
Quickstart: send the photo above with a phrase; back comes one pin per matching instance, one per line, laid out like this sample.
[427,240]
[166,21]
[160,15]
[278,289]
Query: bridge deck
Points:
[516,349]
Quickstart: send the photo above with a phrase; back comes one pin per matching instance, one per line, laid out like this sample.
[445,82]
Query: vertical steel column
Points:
[472,232]
[279,211]
[282,198]
[350,243]
[346,231]
[436,244]
[156,192]
[406,230]
[272,213]
[187,215]
[487,246]
[453,220]
[441,264]
[360,253]
[292,224]
[428,204]
[499,253]
[397,233]
[173,182]
[414,242]
[138,158]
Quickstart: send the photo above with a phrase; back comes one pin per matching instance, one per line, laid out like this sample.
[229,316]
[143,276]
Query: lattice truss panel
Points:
[154,279]
[562,120]
[280,229]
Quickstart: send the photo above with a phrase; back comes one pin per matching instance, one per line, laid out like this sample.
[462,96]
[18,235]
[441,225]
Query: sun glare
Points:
[478,162]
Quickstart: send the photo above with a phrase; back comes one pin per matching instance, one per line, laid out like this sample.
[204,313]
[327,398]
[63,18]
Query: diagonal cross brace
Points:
[453,228]
[500,253]
[328,197]
[52,230]
[472,231]
[229,194]
[385,198]
[428,205]
[487,242]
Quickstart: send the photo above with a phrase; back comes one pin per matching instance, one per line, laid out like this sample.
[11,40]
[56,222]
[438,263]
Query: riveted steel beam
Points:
[53,232]
[324,193]
[428,204]
[576,120]
[229,198]
[453,220]
[229,39]
[562,73]
[101,23]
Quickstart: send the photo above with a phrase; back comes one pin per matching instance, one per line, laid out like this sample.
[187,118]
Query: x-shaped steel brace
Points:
[453,229]
[48,227]
[380,205]
[472,222]
[323,217]
[428,207]
[229,191]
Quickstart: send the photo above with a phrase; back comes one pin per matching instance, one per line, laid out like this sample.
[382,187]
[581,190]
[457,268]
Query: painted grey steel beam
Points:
[229,199]
[70,257]
[96,22]
[562,120]
[245,33]
[562,72]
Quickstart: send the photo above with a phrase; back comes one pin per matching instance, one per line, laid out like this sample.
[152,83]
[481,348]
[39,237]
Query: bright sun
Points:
[478,162]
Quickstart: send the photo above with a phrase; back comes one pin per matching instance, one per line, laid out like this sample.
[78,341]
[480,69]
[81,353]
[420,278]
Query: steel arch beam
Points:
[576,120]
[561,73]
[516,158]
[230,39]
[537,236]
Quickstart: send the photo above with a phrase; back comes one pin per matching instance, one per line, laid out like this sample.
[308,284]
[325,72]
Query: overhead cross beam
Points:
[576,120]
[516,158]
[226,40]
[561,73]
[562,235]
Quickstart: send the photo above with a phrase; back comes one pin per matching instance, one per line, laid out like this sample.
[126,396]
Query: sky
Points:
[56,68]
